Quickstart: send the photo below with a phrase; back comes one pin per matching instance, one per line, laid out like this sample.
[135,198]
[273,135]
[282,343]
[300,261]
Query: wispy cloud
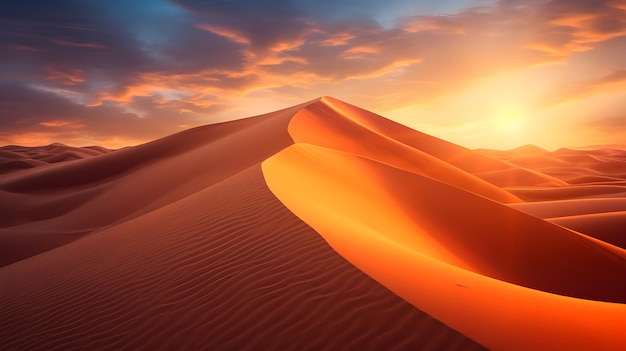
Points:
[153,66]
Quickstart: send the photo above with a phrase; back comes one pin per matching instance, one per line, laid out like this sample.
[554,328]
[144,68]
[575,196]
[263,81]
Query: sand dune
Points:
[601,218]
[319,227]
[608,226]
[566,208]
[458,156]
[228,268]
[587,174]
[333,124]
[450,242]
[571,166]
[594,200]
[443,223]
[68,200]
[13,157]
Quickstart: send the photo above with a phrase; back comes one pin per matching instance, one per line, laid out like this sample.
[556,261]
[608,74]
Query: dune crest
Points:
[66,201]
[325,123]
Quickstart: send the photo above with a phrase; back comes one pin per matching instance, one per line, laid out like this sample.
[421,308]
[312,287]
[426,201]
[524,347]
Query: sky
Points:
[480,73]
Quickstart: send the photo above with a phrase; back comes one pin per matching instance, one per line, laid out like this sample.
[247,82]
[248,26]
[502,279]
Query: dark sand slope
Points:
[609,227]
[50,206]
[601,218]
[228,268]
[15,158]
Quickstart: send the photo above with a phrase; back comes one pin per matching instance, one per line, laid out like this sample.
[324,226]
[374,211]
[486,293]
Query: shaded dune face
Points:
[14,158]
[601,218]
[50,206]
[318,227]
[228,268]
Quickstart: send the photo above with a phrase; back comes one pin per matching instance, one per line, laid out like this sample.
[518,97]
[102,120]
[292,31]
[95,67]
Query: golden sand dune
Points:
[318,227]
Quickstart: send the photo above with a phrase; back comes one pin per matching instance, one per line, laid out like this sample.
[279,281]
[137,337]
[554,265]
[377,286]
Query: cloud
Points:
[158,64]
[606,130]
[261,24]
[52,118]
[614,81]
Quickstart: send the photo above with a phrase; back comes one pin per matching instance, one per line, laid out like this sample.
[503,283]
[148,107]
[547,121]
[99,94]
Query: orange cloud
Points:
[78,45]
[29,138]
[337,39]
[67,78]
[57,123]
[360,51]
[433,23]
[232,61]
[225,32]
[613,82]
[587,31]
[619,4]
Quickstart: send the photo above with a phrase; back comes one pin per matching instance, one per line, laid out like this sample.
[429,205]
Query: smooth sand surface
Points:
[319,227]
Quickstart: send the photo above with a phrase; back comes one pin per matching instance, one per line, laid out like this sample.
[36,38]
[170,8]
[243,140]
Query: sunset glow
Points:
[481,73]
[511,120]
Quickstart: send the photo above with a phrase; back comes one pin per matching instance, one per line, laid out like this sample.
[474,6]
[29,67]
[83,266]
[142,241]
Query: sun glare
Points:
[510,120]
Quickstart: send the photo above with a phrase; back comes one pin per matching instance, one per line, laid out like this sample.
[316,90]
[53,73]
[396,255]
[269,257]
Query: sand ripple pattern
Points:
[228,268]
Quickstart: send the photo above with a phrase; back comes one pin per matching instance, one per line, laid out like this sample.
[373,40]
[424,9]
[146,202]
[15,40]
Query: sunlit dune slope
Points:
[332,124]
[440,248]
[468,160]
[445,223]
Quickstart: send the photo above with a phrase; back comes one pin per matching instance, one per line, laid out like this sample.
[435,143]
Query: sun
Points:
[510,120]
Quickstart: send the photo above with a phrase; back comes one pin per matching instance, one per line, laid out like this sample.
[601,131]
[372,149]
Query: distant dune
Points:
[13,157]
[318,227]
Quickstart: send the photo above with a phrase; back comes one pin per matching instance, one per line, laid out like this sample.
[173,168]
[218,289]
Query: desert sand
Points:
[14,157]
[318,227]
